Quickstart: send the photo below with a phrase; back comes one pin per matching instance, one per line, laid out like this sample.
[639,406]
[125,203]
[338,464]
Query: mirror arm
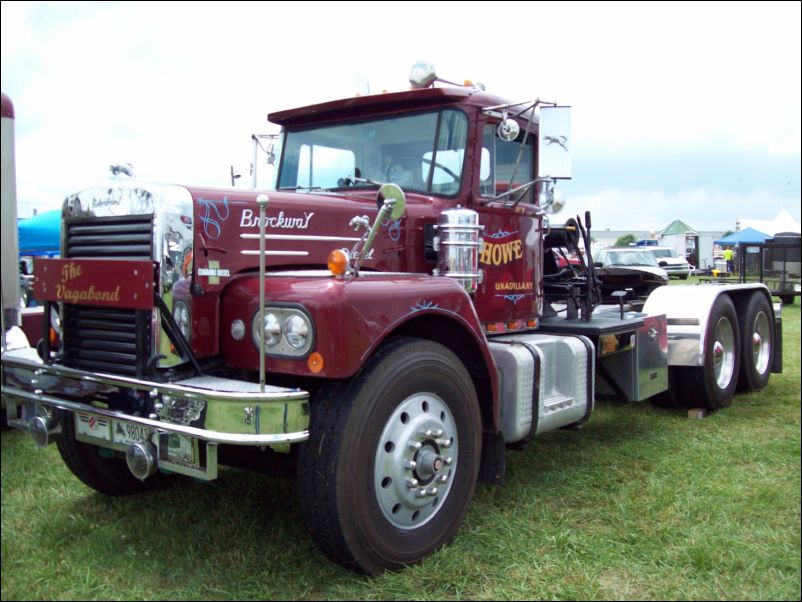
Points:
[392,203]
[522,189]
[533,104]
[368,237]
[522,147]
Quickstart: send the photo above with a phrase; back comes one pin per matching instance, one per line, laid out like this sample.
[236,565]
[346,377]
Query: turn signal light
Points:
[315,362]
[337,262]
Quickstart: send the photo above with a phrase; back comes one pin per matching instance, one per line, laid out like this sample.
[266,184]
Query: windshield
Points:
[643,258]
[421,153]
[664,253]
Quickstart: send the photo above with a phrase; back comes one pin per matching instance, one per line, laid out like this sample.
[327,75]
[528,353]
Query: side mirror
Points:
[508,129]
[392,196]
[555,143]
[598,264]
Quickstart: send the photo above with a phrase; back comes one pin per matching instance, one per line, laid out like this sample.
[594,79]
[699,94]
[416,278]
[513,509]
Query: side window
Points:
[497,170]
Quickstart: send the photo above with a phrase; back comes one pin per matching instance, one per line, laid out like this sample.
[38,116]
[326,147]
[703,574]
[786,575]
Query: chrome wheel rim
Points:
[416,459]
[761,346]
[723,353]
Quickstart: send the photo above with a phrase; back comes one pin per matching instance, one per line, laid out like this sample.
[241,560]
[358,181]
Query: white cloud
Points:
[700,208]
[177,91]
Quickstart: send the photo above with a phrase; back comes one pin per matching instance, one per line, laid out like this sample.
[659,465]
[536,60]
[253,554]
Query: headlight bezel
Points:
[283,349]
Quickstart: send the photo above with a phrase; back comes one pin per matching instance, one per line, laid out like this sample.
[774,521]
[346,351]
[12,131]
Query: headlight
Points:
[272,330]
[288,332]
[181,317]
[296,329]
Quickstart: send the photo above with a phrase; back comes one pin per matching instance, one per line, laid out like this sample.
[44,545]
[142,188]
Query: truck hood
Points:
[301,229]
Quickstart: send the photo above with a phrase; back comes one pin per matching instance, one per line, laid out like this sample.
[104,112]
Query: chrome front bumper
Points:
[203,411]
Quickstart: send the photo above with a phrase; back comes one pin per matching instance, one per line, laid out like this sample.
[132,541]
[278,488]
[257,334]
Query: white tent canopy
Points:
[784,222]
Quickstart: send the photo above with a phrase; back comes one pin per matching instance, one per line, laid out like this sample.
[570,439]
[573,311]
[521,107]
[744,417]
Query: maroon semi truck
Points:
[386,320]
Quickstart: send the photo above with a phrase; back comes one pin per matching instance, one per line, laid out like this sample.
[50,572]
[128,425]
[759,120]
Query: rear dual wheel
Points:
[757,344]
[736,355]
[712,385]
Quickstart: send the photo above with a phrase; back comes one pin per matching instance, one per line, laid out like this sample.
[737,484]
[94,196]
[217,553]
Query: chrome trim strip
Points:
[278,253]
[195,433]
[683,321]
[299,237]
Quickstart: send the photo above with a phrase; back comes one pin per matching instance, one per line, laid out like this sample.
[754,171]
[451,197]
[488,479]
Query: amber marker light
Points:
[337,262]
[315,363]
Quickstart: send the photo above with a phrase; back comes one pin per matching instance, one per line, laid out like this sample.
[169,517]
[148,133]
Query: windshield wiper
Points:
[353,182]
[299,188]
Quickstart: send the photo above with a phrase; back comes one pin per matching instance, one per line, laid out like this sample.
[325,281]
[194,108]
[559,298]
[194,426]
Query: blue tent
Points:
[750,236]
[40,234]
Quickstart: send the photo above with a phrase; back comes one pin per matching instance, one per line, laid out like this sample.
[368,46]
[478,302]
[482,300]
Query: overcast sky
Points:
[680,111]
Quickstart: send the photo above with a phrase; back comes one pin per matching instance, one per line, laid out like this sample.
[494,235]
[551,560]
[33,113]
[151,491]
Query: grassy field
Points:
[642,503]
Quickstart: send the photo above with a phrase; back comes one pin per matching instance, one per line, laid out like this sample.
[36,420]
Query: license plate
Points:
[181,449]
[93,426]
[128,433]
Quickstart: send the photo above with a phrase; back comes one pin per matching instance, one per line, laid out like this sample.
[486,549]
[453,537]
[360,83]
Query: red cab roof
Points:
[384,103]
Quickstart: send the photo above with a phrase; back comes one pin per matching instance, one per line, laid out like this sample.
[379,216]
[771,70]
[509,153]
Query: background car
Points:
[668,259]
[628,268]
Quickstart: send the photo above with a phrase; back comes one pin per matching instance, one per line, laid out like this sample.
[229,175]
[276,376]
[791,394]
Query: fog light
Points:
[42,428]
[141,460]
[237,330]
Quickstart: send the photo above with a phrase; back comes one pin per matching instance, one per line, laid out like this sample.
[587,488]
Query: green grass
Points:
[642,503]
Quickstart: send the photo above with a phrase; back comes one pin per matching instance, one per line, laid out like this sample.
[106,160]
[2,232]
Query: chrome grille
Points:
[102,339]
[129,237]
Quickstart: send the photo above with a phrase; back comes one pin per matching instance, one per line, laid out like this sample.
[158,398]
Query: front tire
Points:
[393,457]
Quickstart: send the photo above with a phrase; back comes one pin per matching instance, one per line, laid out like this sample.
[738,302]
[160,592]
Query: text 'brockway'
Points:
[281,221]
